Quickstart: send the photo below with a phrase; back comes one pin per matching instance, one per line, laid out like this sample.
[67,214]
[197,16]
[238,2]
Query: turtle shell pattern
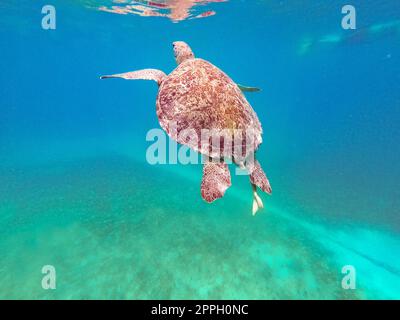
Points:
[196,96]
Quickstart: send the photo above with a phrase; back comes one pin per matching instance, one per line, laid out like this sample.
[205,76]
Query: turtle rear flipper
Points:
[145,74]
[259,179]
[216,180]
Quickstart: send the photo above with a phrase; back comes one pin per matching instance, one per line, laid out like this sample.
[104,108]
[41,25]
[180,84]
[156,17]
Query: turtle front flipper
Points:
[216,180]
[248,89]
[145,74]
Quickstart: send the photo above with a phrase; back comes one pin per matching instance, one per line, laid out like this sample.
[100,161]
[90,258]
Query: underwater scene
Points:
[86,213]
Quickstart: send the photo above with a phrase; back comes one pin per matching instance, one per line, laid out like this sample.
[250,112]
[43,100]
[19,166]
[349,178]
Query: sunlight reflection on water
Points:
[176,10]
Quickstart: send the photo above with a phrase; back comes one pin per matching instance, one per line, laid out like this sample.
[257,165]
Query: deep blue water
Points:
[330,116]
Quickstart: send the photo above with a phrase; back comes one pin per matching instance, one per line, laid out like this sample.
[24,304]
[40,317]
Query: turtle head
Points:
[182,52]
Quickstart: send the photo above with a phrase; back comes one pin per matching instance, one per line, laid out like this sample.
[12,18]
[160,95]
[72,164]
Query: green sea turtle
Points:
[198,97]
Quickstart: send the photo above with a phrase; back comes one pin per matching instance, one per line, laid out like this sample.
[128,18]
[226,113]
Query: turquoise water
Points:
[77,193]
